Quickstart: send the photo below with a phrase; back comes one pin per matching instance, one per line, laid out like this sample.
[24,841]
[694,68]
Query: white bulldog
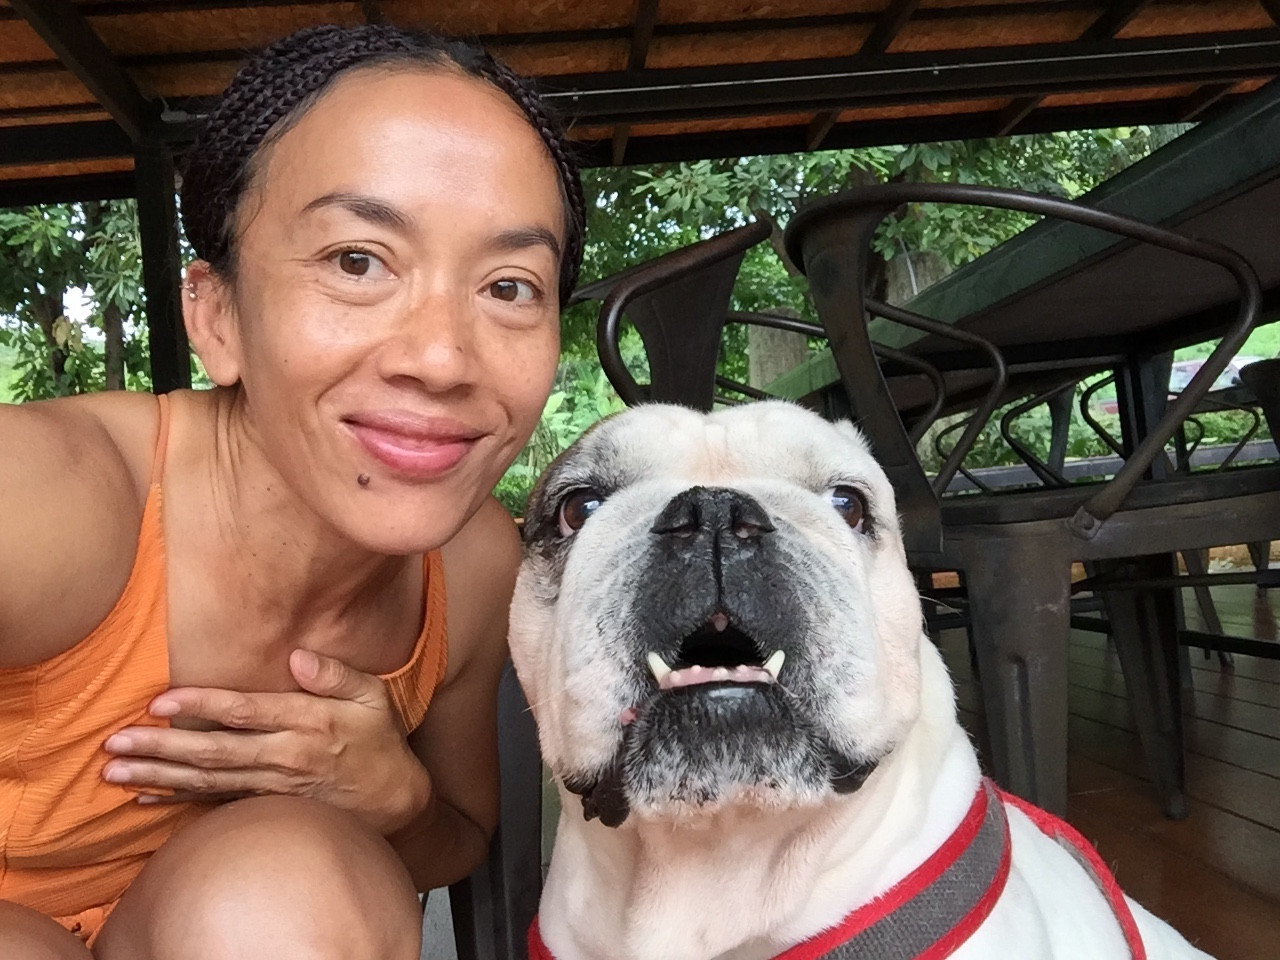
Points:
[755,742]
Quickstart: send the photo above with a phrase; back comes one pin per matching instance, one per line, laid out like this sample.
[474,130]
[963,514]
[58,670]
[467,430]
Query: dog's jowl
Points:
[755,742]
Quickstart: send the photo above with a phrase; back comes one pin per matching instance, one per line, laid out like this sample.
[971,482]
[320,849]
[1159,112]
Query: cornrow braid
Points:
[274,89]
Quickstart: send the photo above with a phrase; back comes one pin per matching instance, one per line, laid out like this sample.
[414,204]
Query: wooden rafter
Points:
[1110,22]
[82,51]
[1204,98]
[642,24]
[890,24]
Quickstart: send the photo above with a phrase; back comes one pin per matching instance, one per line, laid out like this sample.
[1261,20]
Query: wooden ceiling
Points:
[84,84]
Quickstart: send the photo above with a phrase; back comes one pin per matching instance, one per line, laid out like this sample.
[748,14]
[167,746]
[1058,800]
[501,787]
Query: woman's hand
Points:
[340,741]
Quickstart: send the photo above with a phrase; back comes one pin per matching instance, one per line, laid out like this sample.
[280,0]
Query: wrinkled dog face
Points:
[715,609]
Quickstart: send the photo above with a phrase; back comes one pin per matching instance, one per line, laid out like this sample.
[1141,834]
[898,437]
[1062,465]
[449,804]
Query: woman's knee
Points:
[271,876]
[27,935]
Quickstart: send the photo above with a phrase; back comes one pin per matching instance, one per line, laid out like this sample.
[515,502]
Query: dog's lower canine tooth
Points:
[774,663]
[658,666]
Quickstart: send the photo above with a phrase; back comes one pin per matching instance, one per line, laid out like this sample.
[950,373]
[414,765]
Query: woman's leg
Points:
[27,935]
[268,877]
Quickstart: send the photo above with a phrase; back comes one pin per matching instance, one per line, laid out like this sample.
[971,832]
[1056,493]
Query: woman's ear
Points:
[212,326]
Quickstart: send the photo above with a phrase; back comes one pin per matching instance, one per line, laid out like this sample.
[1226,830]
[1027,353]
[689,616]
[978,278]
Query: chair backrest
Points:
[831,243]
[1263,378]
[678,302]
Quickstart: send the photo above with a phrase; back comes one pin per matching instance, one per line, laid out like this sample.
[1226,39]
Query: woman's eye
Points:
[850,504]
[358,263]
[513,291]
[575,508]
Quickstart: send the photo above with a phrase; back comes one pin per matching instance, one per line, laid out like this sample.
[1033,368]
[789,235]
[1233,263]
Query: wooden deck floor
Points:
[1216,875]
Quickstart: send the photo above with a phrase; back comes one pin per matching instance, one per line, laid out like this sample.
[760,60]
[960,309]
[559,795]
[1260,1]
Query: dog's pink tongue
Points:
[695,675]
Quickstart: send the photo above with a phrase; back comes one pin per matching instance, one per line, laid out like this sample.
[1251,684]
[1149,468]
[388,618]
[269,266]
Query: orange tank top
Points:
[68,840]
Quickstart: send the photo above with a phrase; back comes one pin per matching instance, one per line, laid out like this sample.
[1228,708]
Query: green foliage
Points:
[85,256]
[581,396]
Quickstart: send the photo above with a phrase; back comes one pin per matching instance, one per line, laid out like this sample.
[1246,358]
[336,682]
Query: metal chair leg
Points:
[1197,562]
[1144,626]
[492,909]
[1260,554]
[1019,597]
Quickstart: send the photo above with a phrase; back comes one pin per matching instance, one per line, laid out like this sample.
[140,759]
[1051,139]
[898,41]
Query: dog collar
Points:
[932,911]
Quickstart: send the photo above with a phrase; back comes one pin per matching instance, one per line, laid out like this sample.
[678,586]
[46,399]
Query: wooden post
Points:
[161,267]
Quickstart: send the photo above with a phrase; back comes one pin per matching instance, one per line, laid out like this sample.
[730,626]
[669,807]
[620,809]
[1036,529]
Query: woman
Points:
[241,592]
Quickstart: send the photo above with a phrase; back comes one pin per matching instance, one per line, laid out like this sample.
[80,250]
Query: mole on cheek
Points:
[363,479]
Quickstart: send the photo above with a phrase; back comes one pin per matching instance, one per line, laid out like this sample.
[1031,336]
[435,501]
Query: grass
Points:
[7,374]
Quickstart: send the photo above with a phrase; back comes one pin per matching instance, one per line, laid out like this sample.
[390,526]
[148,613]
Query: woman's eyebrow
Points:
[371,209]
[521,238]
[383,214]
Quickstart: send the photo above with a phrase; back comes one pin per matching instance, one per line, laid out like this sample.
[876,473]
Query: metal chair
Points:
[1015,550]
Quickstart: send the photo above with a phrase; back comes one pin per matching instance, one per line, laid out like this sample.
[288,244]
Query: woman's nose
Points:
[433,342]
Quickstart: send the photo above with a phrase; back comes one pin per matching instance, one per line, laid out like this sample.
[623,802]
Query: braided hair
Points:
[274,89]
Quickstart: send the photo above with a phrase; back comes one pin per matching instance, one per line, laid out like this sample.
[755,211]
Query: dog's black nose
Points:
[714,511]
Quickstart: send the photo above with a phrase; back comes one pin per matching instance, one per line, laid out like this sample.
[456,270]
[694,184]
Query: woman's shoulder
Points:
[74,476]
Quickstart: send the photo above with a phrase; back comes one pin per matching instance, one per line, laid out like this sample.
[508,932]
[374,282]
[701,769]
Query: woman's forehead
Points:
[418,137]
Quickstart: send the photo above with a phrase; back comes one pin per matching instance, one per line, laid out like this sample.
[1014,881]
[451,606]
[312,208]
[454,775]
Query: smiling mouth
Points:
[411,453]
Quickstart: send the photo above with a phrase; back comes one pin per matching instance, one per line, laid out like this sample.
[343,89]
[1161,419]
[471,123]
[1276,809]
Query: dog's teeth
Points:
[720,622]
[720,673]
[658,666]
[774,663]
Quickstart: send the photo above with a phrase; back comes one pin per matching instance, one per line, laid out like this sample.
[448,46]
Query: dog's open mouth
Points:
[717,652]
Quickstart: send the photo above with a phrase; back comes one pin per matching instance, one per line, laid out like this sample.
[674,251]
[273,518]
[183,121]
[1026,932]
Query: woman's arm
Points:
[70,516]
[457,741]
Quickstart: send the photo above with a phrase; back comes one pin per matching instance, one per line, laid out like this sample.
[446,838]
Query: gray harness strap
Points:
[919,925]
[928,914]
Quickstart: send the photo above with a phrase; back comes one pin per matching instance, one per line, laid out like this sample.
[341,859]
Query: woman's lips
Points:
[413,446]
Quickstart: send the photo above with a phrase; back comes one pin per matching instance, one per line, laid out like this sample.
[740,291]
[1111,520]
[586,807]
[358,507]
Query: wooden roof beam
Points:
[890,24]
[1110,22]
[1114,19]
[645,19]
[80,50]
[811,86]
[892,20]
[1204,98]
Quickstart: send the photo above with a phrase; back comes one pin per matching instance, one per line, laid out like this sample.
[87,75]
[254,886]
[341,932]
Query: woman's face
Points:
[394,318]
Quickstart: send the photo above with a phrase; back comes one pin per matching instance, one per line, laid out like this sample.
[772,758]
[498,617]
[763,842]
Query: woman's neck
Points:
[285,570]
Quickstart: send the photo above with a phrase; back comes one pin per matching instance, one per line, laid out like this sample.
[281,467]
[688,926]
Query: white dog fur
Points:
[748,873]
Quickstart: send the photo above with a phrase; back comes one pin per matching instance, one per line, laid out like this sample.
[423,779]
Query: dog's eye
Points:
[576,507]
[850,504]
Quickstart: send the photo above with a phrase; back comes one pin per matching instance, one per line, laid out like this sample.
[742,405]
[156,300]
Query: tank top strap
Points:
[162,441]
[413,685]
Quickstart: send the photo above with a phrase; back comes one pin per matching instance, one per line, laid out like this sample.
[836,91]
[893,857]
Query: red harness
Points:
[932,911]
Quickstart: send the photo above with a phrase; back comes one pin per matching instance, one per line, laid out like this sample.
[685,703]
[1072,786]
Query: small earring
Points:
[191,291]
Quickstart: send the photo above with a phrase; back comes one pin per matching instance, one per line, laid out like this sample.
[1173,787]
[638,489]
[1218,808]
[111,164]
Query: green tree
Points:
[51,255]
